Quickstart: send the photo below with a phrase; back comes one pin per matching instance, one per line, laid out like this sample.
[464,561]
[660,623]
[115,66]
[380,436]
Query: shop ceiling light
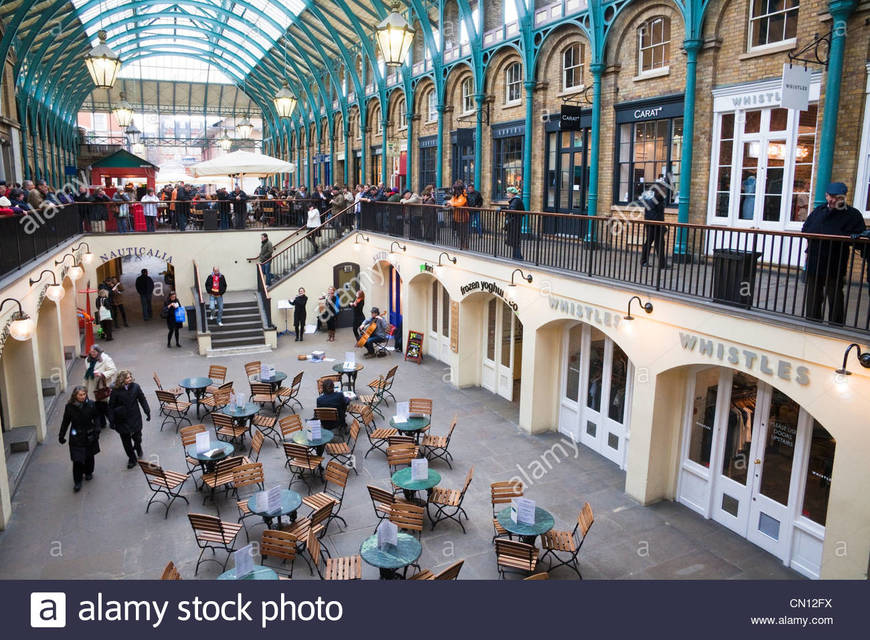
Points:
[648,307]
[225,142]
[394,37]
[123,112]
[103,64]
[22,326]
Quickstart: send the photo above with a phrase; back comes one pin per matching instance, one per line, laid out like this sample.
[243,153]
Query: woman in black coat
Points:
[124,404]
[299,314]
[514,225]
[84,436]
[359,313]
[172,303]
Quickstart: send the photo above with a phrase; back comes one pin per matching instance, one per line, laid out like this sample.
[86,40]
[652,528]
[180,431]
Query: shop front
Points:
[462,155]
[507,158]
[426,162]
[503,350]
[566,167]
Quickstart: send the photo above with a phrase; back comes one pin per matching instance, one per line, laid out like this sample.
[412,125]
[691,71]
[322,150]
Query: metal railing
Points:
[199,301]
[817,278]
[24,238]
[264,298]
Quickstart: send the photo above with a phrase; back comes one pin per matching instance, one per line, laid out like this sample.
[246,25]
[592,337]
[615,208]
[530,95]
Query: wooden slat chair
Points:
[392,441]
[344,568]
[334,377]
[279,545]
[400,455]
[286,395]
[569,542]
[290,425]
[249,478]
[448,503]
[382,501]
[300,529]
[335,478]
[170,572]
[437,446]
[176,391]
[328,417]
[252,369]
[218,375]
[371,401]
[407,516]
[388,384]
[300,461]
[213,533]
[342,452]
[378,438]
[257,440]
[163,482]
[539,576]
[261,393]
[227,429]
[450,573]
[222,476]
[420,406]
[501,494]
[514,555]
[172,409]
[188,437]
[218,400]
[268,426]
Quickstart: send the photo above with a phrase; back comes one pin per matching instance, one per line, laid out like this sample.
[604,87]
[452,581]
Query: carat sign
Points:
[795,87]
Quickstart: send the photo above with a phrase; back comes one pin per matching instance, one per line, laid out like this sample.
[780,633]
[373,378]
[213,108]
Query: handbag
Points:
[104,314]
[102,390]
[180,315]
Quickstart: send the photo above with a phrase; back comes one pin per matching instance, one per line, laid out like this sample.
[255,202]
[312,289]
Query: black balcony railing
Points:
[823,279]
[23,238]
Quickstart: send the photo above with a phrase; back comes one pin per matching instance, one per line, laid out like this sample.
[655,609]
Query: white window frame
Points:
[511,83]
[466,93]
[754,19]
[403,114]
[578,67]
[431,106]
[510,12]
[862,180]
[665,43]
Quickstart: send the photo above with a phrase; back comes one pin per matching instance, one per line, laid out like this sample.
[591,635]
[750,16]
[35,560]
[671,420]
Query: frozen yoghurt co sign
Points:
[585,312]
[139,252]
[752,360]
[488,287]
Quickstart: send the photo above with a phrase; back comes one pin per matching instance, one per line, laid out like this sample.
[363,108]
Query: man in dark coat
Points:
[224,208]
[216,287]
[474,200]
[80,417]
[124,404]
[654,200]
[83,198]
[182,206]
[828,260]
[333,399]
[240,207]
[514,224]
[145,289]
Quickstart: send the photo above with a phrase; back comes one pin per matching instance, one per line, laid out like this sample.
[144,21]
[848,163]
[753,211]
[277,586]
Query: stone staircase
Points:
[242,325]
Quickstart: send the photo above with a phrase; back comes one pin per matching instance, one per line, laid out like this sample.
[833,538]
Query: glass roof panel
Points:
[183,69]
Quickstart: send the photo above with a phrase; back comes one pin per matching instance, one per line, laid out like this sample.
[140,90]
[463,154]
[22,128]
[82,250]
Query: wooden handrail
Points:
[196,281]
[310,231]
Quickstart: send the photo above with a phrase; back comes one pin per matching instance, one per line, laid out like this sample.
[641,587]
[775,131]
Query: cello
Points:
[370,329]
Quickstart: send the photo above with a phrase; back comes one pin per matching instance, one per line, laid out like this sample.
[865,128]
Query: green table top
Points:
[215,444]
[247,411]
[404,553]
[195,383]
[412,424]
[325,436]
[543,522]
[259,573]
[290,501]
[402,478]
[339,368]
[279,376]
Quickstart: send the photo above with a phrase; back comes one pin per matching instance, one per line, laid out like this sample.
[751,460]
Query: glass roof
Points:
[261,21]
[183,70]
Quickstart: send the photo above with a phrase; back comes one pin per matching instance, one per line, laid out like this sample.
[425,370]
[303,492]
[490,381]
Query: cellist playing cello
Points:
[374,330]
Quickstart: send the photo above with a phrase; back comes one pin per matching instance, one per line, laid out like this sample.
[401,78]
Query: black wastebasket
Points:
[191,317]
[210,220]
[734,276]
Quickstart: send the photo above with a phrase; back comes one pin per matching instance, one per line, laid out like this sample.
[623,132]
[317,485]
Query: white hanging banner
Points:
[795,91]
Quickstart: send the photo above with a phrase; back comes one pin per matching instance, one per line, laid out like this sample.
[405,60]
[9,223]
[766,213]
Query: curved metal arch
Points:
[547,33]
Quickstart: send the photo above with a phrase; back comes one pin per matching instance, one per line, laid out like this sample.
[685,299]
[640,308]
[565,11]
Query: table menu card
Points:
[388,534]
[402,411]
[203,443]
[419,469]
[271,372]
[244,561]
[523,511]
[313,430]
[261,500]
[349,360]
[240,401]
[273,499]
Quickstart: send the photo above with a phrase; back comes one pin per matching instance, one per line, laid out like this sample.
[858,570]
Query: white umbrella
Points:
[172,174]
[242,163]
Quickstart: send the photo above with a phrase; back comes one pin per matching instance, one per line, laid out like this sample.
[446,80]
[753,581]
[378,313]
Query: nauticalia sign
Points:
[139,252]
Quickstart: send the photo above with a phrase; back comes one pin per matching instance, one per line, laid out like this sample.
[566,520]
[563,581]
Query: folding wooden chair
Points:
[252,369]
[448,503]
[501,494]
[510,554]
[218,400]
[268,427]
[188,437]
[450,573]
[369,401]
[554,542]
[290,425]
[334,377]
[257,440]
[261,393]
[170,572]
[218,375]
[176,391]
[378,438]
[400,455]
[213,533]
[344,568]
[286,395]
[437,446]
[160,481]
[172,409]
[279,545]
[539,576]
[335,478]
[342,452]
[381,349]
[247,476]
[300,460]
[407,516]
[382,501]
[227,429]
[222,476]
[388,384]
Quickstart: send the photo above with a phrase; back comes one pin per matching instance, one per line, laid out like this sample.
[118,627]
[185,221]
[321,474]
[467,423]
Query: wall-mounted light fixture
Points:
[402,247]
[356,242]
[648,307]
[88,258]
[75,272]
[863,359]
[440,268]
[22,326]
[55,291]
[512,287]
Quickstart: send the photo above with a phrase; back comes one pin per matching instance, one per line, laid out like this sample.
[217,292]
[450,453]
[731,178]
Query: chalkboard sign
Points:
[414,348]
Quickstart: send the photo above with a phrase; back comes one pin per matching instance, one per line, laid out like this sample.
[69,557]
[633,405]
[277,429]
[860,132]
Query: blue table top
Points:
[247,411]
[411,424]
[543,522]
[404,553]
[259,573]
[279,376]
[195,383]
[290,501]
[299,437]
[215,444]
[402,478]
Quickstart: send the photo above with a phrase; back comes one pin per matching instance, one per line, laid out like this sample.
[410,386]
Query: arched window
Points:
[573,63]
[513,82]
[654,44]
[403,115]
[772,21]
[467,91]
[431,106]
[376,119]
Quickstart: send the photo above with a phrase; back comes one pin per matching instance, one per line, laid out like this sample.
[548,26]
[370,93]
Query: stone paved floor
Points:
[103,532]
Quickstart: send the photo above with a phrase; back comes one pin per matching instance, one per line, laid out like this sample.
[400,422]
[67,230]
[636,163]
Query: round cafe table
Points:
[290,502]
[207,462]
[527,532]
[402,478]
[349,372]
[274,381]
[393,557]
[259,573]
[326,436]
[411,426]
[197,387]
[241,415]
